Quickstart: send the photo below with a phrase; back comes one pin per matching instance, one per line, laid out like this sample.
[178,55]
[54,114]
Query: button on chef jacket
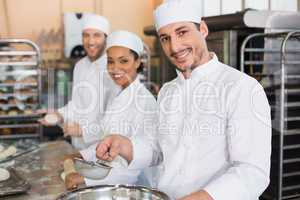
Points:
[133,113]
[92,90]
[214,134]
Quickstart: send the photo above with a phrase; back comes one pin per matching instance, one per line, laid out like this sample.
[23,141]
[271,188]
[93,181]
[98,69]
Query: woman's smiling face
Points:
[122,65]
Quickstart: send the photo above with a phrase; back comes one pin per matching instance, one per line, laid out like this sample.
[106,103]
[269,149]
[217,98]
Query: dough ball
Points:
[11,150]
[28,111]
[63,176]
[51,119]
[4,174]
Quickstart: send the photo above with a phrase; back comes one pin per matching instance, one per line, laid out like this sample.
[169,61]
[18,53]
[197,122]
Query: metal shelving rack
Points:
[146,73]
[274,59]
[19,59]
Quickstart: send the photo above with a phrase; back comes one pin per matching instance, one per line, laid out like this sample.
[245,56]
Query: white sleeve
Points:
[89,154]
[249,145]
[68,112]
[142,153]
[91,125]
[91,130]
[146,149]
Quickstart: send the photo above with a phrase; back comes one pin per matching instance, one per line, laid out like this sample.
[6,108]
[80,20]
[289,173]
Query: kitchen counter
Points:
[42,168]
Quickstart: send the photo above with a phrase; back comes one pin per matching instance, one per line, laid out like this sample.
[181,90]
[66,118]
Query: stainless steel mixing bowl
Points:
[114,192]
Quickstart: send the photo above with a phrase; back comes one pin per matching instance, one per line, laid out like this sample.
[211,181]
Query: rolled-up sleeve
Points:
[249,145]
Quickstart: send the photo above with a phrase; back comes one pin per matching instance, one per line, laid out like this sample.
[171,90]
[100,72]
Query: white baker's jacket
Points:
[132,113]
[214,134]
[91,91]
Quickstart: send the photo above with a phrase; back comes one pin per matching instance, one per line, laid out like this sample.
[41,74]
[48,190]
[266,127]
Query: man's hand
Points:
[112,146]
[49,111]
[73,180]
[201,195]
[72,129]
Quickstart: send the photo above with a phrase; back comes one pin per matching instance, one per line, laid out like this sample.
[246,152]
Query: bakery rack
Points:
[274,60]
[20,89]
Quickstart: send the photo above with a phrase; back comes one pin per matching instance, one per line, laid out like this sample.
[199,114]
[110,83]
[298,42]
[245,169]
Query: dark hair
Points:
[197,26]
[136,56]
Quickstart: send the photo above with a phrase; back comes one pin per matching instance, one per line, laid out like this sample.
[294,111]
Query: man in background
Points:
[92,87]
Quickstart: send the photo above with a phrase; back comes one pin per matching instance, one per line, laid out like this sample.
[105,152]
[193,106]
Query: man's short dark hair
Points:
[197,26]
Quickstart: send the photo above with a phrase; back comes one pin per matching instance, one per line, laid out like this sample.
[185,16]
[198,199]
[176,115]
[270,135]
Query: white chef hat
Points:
[172,11]
[96,22]
[125,39]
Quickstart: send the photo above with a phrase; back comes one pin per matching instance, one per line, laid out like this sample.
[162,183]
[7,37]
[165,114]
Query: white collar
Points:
[133,86]
[127,95]
[201,70]
[99,62]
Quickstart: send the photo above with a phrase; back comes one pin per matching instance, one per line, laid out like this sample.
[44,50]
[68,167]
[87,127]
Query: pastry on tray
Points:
[28,80]
[9,81]
[13,112]
[28,111]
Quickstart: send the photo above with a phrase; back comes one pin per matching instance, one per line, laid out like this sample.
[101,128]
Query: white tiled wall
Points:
[284,5]
[230,6]
[211,7]
[261,4]
[217,7]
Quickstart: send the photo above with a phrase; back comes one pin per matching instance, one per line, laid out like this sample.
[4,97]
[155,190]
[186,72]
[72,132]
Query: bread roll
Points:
[51,119]
[13,112]
[1,148]
[11,150]
[2,112]
[69,167]
[6,131]
[28,80]
[4,174]
[63,176]
[9,81]
[28,111]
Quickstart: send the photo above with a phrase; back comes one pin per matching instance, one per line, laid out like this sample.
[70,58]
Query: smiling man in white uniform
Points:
[214,122]
[92,86]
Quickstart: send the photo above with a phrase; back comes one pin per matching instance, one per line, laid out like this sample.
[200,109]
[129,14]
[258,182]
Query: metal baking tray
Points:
[18,84]
[9,106]
[14,185]
[20,116]
[19,73]
[18,95]
[20,125]
[21,63]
